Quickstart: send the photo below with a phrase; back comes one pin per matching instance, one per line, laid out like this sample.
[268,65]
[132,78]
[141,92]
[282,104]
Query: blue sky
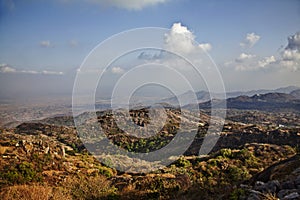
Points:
[53,37]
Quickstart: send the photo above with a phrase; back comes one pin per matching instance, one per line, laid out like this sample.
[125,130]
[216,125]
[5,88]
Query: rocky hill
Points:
[296,93]
[264,102]
[46,160]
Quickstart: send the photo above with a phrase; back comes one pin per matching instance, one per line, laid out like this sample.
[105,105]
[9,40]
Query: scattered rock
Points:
[254,195]
[269,187]
[282,193]
[292,196]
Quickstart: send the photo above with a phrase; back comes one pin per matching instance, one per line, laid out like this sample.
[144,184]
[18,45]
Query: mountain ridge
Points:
[204,96]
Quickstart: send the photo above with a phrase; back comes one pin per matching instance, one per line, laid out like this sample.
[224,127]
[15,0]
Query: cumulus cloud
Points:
[181,40]
[244,56]
[294,42]
[205,46]
[128,4]
[266,61]
[251,62]
[289,58]
[45,43]
[250,40]
[178,40]
[117,70]
[245,62]
[5,68]
[291,54]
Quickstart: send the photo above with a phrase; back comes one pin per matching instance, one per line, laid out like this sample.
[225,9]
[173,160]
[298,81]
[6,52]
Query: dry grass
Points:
[270,196]
[89,187]
[3,149]
[33,192]
[77,187]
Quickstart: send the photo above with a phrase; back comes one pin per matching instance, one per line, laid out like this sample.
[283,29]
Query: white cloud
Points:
[51,72]
[243,57]
[266,61]
[251,62]
[289,58]
[90,70]
[117,70]
[205,46]
[294,42]
[128,4]
[250,40]
[181,40]
[291,54]
[4,68]
[28,72]
[45,43]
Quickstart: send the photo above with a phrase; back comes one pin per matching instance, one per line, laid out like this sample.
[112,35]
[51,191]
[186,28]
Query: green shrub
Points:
[237,193]
[213,162]
[157,185]
[226,153]
[237,174]
[244,154]
[182,162]
[248,157]
[108,172]
[21,173]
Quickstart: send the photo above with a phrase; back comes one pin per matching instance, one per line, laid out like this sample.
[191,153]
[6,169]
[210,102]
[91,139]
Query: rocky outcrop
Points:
[281,180]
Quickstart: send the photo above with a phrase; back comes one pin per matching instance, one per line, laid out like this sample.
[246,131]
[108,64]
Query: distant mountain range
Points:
[273,101]
[281,99]
[204,96]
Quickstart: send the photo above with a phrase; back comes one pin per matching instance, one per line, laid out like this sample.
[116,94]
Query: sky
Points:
[254,44]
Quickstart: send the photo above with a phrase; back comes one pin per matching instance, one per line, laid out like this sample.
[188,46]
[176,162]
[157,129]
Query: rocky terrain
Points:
[256,156]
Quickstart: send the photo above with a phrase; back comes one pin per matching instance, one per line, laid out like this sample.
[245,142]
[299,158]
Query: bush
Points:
[237,194]
[182,162]
[237,174]
[226,153]
[213,162]
[246,156]
[88,188]
[108,172]
[21,173]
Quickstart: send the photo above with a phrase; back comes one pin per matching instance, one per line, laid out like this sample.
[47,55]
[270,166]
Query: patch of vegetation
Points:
[34,192]
[238,174]
[237,194]
[108,172]
[91,188]
[20,174]
[226,153]
[182,162]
